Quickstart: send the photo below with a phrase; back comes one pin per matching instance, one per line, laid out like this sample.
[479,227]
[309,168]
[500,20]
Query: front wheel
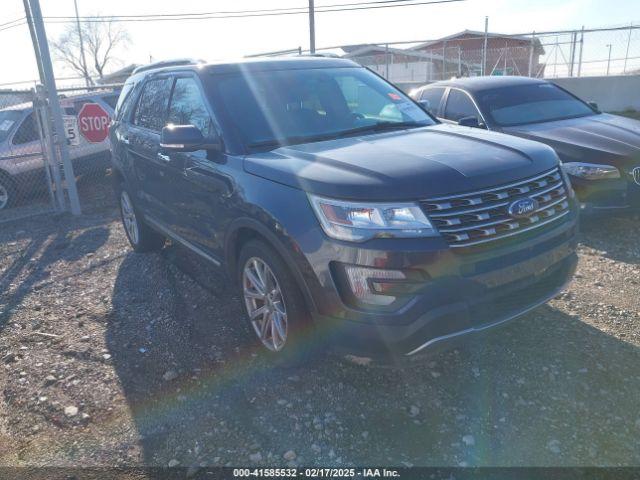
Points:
[274,304]
[140,236]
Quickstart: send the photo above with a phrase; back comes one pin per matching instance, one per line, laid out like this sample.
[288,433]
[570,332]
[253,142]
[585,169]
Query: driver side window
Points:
[188,107]
[459,105]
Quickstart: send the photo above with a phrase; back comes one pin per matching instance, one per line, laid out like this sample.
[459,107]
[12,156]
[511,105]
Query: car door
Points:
[199,178]
[459,105]
[143,138]
[26,146]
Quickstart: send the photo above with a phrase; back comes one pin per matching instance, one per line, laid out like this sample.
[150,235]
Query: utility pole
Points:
[54,103]
[609,60]
[312,28]
[483,70]
[45,127]
[82,57]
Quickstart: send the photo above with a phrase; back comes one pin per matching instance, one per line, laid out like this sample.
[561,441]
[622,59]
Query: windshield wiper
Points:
[376,127]
[379,127]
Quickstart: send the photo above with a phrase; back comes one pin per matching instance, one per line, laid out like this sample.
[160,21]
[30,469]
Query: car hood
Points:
[410,164]
[600,138]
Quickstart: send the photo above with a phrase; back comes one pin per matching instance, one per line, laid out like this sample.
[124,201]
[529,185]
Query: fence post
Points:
[572,54]
[581,49]
[52,165]
[54,105]
[626,55]
[532,52]
[444,61]
[386,60]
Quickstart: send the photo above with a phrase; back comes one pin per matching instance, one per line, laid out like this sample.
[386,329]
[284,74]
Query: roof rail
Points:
[167,63]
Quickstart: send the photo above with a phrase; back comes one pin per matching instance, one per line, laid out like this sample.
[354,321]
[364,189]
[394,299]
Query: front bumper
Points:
[466,293]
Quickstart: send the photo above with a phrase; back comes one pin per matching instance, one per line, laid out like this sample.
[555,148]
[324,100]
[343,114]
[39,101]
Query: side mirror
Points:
[593,105]
[470,122]
[185,138]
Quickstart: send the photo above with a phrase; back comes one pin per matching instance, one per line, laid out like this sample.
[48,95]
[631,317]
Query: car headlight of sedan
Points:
[591,171]
[359,221]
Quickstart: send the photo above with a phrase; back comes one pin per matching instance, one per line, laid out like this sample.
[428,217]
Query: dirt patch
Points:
[113,358]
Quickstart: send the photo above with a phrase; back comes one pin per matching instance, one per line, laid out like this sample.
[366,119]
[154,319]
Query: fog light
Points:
[361,280]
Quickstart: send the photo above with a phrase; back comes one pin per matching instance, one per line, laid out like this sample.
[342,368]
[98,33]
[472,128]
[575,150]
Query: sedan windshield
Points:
[298,106]
[524,104]
[8,119]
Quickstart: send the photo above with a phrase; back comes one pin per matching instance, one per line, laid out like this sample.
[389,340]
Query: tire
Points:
[8,192]
[141,237]
[299,346]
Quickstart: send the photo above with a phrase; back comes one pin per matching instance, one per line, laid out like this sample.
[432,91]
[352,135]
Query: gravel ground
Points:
[109,358]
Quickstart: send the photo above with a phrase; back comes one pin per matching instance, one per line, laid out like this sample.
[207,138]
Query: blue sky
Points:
[216,39]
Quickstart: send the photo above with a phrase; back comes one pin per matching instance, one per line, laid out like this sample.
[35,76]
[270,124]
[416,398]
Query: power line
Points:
[258,13]
[12,21]
[23,22]
[231,12]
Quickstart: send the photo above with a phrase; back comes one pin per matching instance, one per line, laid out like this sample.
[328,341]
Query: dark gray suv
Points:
[347,215]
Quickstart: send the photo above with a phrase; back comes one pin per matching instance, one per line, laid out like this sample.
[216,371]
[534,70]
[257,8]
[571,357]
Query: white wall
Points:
[612,94]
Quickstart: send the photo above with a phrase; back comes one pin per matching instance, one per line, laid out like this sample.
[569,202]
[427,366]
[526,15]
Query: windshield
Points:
[8,119]
[524,104]
[294,106]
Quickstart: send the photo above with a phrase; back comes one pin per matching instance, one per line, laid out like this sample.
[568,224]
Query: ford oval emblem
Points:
[523,208]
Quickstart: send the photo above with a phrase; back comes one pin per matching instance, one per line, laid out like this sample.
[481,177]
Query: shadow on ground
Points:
[546,390]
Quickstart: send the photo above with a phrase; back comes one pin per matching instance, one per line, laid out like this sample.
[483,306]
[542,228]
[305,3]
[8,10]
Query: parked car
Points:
[334,201]
[600,152]
[21,160]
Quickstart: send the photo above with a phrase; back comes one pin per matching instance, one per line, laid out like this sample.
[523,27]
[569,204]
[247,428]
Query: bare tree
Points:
[103,40]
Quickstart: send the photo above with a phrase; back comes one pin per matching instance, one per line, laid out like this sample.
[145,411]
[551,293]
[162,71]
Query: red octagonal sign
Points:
[93,122]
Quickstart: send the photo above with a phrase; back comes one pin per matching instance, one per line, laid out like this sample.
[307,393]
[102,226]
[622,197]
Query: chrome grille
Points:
[479,217]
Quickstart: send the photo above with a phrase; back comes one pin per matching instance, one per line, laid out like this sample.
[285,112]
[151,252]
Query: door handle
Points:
[163,157]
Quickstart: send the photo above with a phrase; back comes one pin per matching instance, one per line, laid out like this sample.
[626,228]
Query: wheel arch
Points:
[244,229]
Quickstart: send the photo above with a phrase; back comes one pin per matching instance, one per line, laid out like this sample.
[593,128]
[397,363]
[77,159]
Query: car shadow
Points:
[548,389]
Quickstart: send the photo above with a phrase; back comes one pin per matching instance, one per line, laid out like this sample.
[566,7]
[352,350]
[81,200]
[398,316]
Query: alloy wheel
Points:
[129,217]
[265,304]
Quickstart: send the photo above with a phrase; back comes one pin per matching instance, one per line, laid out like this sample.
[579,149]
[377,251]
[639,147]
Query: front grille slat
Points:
[482,216]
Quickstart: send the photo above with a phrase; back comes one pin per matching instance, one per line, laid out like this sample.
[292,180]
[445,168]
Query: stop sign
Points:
[93,122]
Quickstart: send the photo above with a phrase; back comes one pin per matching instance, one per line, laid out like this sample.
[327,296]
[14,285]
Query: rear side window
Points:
[459,105]
[152,106]
[433,96]
[188,107]
[124,97]
[27,131]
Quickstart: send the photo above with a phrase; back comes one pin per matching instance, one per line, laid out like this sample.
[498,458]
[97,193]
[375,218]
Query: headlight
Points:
[591,171]
[358,222]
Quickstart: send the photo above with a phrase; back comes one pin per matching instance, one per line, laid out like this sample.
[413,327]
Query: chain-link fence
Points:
[32,180]
[26,177]
[570,53]
[87,113]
